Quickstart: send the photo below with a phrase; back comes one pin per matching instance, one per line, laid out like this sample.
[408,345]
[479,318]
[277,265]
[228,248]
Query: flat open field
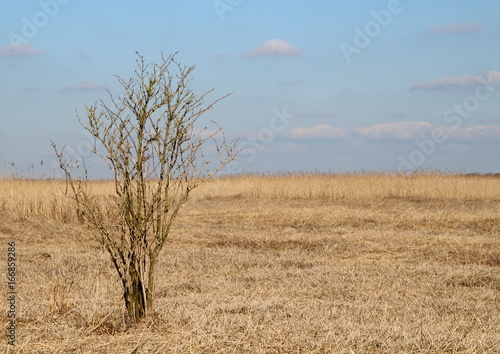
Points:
[358,263]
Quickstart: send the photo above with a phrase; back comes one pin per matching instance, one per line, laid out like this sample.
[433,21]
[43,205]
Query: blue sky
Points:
[318,85]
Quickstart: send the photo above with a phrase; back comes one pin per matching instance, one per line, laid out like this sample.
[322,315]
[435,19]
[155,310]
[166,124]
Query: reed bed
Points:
[46,197]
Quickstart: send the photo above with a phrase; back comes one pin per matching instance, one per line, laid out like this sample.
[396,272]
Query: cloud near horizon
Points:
[396,131]
[465,81]
[457,28]
[19,50]
[274,47]
[82,86]
[323,131]
[423,130]
[482,132]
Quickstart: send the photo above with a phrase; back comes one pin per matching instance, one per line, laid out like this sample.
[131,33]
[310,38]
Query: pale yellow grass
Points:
[258,264]
[354,186]
[46,197]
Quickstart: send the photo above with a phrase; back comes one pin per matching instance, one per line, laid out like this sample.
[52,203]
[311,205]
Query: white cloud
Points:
[394,131]
[398,131]
[457,28]
[423,130]
[274,47]
[82,86]
[322,131]
[488,77]
[477,132]
[20,50]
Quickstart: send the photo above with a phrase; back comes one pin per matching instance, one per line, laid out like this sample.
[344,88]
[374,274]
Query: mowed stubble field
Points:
[358,263]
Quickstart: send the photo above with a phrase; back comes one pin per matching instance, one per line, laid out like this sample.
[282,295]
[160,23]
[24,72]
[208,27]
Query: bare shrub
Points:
[148,139]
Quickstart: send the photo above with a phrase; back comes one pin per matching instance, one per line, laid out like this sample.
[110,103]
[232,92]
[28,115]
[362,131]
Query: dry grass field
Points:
[359,263]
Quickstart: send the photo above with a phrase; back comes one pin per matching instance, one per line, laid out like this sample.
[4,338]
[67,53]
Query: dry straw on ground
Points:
[297,263]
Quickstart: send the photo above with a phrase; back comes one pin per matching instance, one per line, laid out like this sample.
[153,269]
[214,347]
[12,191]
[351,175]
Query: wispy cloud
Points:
[423,130]
[274,47]
[320,131]
[394,131]
[19,50]
[301,114]
[477,132]
[82,86]
[457,28]
[81,53]
[397,131]
[33,88]
[489,77]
